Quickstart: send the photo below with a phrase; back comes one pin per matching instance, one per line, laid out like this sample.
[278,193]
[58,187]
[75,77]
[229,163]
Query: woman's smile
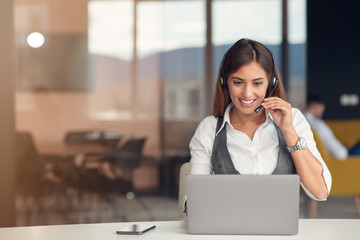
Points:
[247,103]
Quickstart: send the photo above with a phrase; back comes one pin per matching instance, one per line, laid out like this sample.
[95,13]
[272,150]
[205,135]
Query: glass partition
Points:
[297,49]
[127,70]
[259,20]
[171,52]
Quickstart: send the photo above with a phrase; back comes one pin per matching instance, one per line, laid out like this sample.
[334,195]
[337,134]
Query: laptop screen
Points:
[243,204]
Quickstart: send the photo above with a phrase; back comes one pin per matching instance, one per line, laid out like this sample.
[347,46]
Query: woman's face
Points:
[247,87]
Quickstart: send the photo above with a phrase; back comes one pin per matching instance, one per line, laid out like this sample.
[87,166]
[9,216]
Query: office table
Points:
[318,229]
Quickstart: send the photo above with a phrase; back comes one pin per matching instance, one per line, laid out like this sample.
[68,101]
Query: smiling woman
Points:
[236,139]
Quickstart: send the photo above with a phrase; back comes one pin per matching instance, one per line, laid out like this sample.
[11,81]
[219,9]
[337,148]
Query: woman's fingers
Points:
[280,110]
[276,103]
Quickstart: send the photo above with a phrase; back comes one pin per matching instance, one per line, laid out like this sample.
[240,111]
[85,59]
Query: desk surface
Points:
[176,230]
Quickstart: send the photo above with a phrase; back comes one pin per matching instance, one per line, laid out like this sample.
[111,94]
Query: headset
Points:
[272,83]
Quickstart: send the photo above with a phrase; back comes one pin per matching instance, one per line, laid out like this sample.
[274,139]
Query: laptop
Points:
[243,204]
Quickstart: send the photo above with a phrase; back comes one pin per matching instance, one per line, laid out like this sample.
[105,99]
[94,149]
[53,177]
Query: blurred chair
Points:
[113,168]
[103,175]
[32,175]
[30,167]
[128,157]
[345,176]
[184,170]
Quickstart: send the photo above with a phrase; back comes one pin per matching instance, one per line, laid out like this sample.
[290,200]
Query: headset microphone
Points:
[272,83]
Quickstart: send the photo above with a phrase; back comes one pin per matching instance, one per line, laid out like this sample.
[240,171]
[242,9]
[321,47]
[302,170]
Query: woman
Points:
[252,132]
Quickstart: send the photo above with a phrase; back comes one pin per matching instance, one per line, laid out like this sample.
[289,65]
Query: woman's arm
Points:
[310,168]
[201,146]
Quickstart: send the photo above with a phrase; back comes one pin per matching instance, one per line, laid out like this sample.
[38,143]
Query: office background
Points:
[148,68]
[332,57]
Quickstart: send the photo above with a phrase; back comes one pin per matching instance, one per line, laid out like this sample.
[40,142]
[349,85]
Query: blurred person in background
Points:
[314,114]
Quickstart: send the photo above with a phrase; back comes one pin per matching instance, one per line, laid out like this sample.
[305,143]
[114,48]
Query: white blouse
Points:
[256,156]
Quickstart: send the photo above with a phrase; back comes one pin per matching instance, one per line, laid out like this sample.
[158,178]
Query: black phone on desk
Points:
[135,229]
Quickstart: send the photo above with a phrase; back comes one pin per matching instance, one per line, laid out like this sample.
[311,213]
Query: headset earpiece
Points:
[272,83]
[223,80]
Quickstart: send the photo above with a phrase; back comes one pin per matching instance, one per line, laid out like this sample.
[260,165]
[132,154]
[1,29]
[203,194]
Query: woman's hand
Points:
[280,110]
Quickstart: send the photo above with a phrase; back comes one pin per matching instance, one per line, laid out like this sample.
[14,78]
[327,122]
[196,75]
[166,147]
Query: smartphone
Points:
[135,229]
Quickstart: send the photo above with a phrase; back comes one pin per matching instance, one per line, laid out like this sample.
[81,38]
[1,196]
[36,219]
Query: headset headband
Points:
[223,80]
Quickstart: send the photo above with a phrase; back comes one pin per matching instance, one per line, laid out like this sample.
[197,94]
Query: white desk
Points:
[318,229]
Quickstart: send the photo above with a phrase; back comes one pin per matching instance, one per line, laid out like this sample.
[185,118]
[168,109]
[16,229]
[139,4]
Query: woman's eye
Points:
[258,83]
[237,83]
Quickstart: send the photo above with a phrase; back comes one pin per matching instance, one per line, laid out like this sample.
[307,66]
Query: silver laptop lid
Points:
[243,204]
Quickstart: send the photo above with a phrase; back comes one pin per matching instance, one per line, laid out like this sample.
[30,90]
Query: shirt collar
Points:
[227,117]
[269,118]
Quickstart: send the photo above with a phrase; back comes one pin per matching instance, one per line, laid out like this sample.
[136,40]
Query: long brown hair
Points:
[243,52]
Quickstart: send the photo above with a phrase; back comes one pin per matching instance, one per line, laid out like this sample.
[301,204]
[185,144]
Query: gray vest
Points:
[222,163]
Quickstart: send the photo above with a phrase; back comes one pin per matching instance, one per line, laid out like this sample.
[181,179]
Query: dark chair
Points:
[30,167]
[129,155]
[123,159]
[32,176]
[100,176]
